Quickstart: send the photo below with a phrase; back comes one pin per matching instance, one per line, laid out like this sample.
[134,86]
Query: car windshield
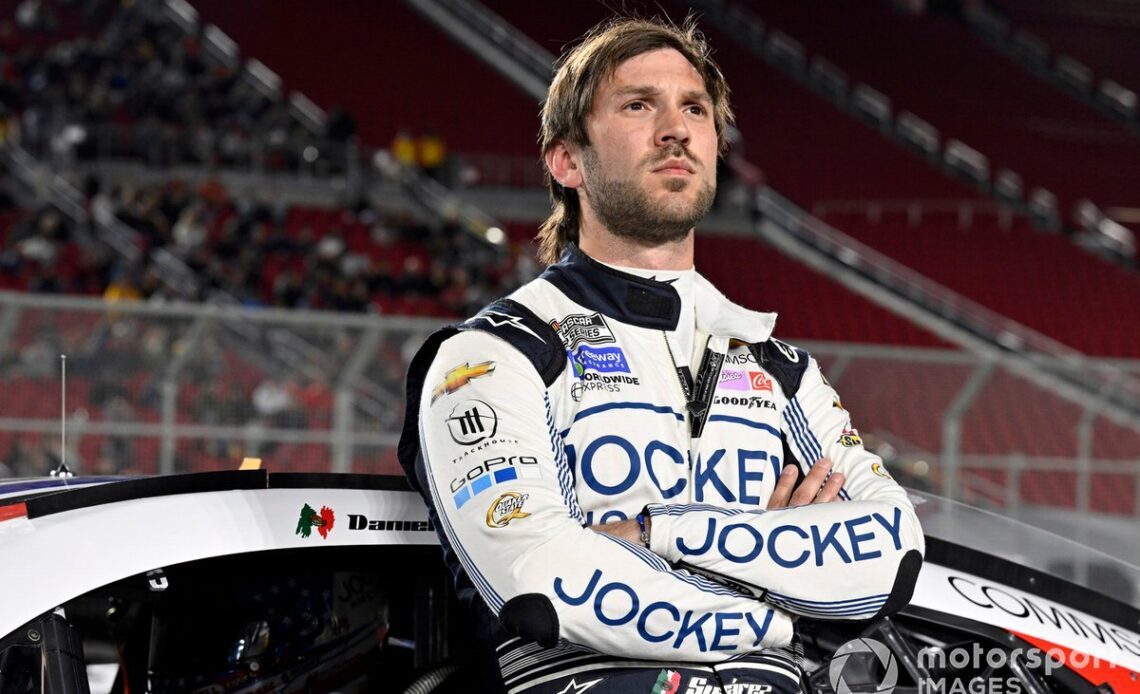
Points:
[1029,546]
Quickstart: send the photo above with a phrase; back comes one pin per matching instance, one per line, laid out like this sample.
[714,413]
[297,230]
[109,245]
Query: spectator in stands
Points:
[431,154]
[274,403]
[39,357]
[117,453]
[123,286]
[404,148]
[33,460]
[22,460]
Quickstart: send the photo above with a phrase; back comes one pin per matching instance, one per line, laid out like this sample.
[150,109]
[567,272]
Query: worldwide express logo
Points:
[323,521]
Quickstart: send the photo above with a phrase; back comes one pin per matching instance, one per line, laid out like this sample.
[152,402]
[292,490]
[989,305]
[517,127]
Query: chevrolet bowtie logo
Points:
[461,376]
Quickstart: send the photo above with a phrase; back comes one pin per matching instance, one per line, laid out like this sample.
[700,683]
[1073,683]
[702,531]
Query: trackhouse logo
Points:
[471,421]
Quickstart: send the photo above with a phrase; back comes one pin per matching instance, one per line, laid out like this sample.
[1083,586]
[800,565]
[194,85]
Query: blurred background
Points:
[239,219]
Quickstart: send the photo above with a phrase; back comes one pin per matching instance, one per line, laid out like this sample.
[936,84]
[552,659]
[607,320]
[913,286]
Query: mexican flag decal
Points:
[668,682]
[310,519]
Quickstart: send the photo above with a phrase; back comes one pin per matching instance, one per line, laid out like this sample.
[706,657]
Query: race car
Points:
[248,581]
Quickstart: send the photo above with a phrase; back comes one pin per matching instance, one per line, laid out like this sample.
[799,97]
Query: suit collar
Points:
[650,304]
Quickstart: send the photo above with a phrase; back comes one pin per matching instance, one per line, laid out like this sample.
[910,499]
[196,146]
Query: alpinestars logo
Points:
[322,521]
[497,319]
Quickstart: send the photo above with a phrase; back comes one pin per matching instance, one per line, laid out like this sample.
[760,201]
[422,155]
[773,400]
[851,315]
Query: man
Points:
[611,453]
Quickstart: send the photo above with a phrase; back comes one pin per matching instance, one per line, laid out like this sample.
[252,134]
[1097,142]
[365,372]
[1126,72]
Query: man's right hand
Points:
[817,487]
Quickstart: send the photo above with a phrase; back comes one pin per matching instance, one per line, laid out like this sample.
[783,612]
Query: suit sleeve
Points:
[502,489]
[852,560]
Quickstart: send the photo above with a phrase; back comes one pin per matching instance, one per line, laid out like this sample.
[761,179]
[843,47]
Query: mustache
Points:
[675,151]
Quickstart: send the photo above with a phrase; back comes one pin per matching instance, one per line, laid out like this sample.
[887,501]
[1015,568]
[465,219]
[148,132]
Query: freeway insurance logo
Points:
[323,521]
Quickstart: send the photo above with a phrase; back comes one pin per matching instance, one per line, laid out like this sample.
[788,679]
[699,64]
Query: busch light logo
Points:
[600,359]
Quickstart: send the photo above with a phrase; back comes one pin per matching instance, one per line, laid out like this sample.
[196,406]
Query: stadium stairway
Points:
[937,68]
[1101,35]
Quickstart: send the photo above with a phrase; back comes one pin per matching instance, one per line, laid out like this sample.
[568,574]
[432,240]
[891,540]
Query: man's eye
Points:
[636,106]
[697,110]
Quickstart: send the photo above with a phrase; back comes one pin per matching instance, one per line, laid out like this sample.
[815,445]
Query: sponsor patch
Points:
[850,437]
[757,380]
[731,379]
[508,507]
[483,475]
[322,520]
[472,421]
[591,381]
[498,319]
[700,685]
[789,352]
[600,359]
[745,688]
[881,471]
[460,376]
[574,688]
[668,682]
[578,328]
[751,402]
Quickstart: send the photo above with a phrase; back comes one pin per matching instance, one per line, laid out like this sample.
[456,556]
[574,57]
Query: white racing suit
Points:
[561,407]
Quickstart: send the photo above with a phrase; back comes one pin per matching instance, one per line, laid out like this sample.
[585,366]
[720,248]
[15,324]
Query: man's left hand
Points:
[626,530]
[820,486]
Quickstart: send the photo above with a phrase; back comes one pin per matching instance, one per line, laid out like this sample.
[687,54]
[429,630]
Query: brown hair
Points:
[571,97]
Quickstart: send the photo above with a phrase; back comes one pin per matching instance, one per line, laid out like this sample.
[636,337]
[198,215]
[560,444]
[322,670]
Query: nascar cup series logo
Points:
[578,328]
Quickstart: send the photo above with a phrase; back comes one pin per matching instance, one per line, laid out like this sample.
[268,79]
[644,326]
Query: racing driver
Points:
[631,478]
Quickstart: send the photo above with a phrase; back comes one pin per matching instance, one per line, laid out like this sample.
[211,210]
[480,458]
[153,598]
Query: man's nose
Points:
[672,128]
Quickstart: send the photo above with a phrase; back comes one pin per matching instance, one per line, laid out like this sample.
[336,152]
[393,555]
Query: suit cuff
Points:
[661,530]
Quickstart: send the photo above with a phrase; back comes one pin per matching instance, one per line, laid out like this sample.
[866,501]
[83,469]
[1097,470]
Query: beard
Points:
[627,210]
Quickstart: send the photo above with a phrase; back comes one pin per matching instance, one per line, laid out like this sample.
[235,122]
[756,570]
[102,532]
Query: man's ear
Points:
[564,165]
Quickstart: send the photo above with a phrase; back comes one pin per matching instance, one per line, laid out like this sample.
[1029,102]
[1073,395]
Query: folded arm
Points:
[850,560]
[501,486]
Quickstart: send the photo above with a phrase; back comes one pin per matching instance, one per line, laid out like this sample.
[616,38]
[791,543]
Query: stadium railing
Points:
[190,387]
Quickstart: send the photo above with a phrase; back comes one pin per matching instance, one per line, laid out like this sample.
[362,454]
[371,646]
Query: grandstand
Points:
[273,255]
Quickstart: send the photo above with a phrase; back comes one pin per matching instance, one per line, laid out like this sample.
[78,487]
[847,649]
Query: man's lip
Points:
[674,167]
